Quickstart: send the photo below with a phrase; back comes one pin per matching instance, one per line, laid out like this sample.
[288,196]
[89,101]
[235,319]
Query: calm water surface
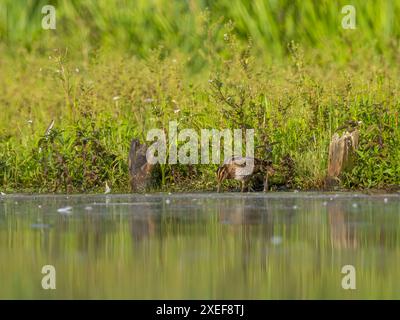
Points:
[200,246]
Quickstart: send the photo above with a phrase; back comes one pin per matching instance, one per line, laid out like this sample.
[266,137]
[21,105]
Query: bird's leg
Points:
[266,183]
[219,187]
[243,185]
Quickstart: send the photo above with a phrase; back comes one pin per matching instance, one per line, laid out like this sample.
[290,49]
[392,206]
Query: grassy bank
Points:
[115,72]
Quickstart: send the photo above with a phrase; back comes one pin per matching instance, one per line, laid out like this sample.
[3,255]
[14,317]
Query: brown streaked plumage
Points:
[235,168]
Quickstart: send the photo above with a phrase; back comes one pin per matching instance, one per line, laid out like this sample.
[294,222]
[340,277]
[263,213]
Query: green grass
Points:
[114,70]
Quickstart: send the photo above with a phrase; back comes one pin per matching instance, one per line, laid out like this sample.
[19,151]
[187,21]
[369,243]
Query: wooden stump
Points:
[341,155]
[140,171]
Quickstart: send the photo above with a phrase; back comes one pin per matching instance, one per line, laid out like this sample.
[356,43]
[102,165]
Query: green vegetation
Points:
[113,70]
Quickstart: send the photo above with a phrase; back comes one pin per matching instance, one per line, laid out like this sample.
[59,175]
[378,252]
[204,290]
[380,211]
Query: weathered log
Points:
[140,171]
[341,154]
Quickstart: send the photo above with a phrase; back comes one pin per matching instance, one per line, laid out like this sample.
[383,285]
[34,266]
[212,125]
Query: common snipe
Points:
[238,168]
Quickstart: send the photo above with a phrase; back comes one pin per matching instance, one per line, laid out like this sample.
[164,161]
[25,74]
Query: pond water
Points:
[200,246]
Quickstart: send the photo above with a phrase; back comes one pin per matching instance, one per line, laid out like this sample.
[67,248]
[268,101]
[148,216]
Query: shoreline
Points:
[371,192]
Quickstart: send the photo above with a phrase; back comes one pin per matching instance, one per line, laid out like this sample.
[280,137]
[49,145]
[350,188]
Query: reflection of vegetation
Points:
[342,232]
[133,68]
[225,248]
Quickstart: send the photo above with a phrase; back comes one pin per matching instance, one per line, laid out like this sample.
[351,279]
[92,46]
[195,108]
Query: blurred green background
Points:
[141,25]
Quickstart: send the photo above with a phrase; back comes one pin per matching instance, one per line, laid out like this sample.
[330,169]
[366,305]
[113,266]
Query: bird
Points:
[238,168]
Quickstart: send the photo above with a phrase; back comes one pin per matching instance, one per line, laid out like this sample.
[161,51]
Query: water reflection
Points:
[246,217]
[200,246]
[342,232]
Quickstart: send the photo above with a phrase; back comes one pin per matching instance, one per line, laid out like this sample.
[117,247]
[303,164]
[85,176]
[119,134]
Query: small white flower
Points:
[77,70]
[116,98]
[108,189]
